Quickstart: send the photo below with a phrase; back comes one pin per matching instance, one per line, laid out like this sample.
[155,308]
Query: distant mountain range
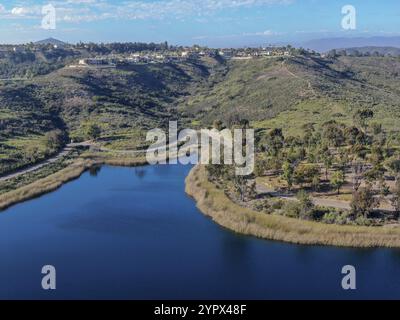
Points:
[324,45]
[385,51]
[51,41]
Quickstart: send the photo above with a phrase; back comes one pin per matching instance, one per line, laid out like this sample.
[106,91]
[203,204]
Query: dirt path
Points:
[330,203]
[64,152]
[310,87]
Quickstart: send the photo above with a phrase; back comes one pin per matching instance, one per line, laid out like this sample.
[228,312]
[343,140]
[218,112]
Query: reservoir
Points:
[133,233]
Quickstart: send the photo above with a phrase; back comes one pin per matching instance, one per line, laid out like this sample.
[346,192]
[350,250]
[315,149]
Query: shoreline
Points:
[215,204]
[58,179]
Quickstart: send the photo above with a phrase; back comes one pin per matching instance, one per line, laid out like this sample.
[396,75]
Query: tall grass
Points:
[44,185]
[215,204]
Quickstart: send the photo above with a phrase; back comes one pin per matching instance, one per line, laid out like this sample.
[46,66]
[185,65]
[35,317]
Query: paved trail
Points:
[64,152]
[68,148]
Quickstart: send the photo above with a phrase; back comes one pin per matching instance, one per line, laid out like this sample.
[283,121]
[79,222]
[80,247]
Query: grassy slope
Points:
[271,92]
[255,89]
[122,101]
[288,92]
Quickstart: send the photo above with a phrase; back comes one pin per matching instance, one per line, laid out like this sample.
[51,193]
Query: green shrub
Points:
[262,205]
[329,218]
[292,209]
[278,205]
[362,221]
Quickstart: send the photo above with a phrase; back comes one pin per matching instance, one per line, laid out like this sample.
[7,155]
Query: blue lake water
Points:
[132,233]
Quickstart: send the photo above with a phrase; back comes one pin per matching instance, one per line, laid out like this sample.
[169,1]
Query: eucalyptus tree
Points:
[396,199]
[338,180]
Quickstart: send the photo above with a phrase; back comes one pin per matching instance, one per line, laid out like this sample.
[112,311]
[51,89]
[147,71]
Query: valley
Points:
[326,125]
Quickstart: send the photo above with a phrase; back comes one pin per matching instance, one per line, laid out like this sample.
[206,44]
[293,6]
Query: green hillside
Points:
[271,92]
[289,92]
[122,101]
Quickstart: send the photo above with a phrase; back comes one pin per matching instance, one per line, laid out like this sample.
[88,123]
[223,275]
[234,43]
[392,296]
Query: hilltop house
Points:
[95,62]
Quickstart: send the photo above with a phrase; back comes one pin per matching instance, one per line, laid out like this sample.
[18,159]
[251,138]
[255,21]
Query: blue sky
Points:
[205,22]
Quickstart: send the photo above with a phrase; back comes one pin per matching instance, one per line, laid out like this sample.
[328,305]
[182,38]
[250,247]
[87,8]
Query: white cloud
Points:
[19,11]
[91,10]
[81,1]
[26,11]
[266,33]
[183,8]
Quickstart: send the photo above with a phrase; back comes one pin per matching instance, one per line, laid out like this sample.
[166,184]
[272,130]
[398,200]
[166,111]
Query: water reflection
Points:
[94,170]
[140,172]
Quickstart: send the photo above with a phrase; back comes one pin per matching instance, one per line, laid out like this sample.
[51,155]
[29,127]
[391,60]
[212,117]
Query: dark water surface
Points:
[132,233]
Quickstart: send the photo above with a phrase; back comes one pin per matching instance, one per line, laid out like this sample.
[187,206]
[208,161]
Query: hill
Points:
[51,41]
[324,45]
[271,92]
[289,92]
[122,101]
[371,51]
[29,62]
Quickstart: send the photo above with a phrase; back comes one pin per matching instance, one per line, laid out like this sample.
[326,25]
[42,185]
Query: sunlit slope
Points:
[296,90]
[123,101]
